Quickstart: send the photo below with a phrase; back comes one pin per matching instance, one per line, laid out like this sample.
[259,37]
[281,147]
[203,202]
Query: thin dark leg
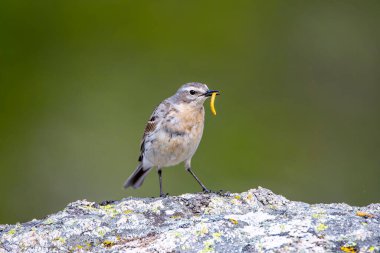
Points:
[204,188]
[160,179]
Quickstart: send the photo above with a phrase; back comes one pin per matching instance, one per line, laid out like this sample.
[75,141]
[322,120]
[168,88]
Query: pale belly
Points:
[169,149]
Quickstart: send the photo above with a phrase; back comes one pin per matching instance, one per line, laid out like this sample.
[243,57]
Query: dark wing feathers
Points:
[150,126]
[157,115]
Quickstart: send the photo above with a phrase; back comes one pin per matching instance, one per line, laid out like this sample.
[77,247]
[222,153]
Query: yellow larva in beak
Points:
[212,103]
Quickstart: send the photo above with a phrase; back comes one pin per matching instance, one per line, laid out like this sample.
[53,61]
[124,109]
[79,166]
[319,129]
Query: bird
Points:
[172,134]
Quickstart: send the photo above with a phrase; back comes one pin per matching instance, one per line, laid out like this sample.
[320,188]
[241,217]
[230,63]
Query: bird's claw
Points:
[205,190]
[223,193]
[220,192]
[164,195]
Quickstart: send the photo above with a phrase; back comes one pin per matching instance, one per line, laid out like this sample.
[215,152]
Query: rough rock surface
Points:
[253,221]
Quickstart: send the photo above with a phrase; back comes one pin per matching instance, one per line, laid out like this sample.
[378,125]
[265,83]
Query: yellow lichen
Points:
[208,247]
[48,222]
[101,232]
[233,221]
[177,234]
[108,244]
[110,210]
[318,215]
[235,202]
[88,246]
[204,230]
[207,210]
[12,231]
[60,239]
[107,207]
[321,227]
[216,235]
[87,207]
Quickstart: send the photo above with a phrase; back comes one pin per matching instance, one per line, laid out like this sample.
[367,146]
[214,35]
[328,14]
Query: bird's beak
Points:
[209,93]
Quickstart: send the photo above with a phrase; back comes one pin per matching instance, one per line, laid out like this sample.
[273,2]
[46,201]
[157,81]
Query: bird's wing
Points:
[155,120]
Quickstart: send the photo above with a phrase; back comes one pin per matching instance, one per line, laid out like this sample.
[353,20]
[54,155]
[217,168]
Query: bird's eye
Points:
[192,92]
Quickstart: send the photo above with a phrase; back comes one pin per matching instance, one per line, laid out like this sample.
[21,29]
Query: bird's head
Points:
[194,94]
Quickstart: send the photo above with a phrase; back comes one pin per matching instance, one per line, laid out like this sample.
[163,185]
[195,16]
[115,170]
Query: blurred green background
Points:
[299,113]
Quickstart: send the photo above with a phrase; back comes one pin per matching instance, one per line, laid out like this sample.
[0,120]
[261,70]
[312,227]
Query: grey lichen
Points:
[254,221]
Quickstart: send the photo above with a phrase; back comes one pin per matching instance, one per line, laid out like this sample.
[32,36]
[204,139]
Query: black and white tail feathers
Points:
[137,177]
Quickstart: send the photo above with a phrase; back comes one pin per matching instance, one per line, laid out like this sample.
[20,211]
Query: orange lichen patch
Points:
[364,214]
[351,249]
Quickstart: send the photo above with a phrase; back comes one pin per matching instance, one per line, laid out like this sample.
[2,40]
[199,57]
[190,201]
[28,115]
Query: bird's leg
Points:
[160,179]
[204,189]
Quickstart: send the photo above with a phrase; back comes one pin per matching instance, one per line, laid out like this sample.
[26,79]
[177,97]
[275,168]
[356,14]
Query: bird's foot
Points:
[223,193]
[205,190]
[220,192]
[164,195]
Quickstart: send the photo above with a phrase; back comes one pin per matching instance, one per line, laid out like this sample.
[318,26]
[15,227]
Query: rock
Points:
[254,221]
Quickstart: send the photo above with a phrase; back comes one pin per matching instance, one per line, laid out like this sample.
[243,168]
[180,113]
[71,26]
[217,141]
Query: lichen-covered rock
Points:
[254,221]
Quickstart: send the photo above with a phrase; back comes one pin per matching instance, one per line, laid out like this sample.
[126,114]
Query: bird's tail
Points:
[137,178]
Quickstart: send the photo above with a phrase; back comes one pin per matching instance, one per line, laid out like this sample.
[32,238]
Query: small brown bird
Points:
[172,134]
